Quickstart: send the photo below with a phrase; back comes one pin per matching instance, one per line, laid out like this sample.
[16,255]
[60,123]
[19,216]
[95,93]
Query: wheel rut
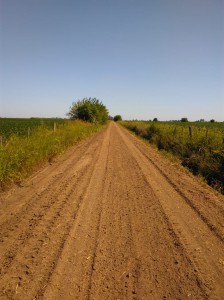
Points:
[202,214]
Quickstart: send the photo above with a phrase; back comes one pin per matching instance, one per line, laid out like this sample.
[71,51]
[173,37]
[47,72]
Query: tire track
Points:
[212,227]
[101,286]
[202,245]
[99,221]
[219,209]
[48,212]
[45,181]
[127,265]
[81,251]
[49,198]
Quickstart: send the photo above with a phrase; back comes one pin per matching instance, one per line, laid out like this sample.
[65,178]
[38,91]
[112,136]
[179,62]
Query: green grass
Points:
[17,126]
[200,146]
[20,156]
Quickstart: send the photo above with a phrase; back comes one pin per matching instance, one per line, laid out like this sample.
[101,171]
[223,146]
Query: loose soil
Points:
[112,219]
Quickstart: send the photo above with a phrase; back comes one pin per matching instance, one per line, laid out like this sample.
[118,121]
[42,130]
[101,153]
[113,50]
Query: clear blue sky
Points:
[142,58]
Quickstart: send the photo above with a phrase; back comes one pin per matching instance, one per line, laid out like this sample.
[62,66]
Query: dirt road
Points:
[112,219]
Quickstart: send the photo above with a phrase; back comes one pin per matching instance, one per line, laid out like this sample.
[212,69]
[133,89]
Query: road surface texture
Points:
[112,219]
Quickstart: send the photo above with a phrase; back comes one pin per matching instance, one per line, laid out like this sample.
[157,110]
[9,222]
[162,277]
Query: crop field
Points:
[25,144]
[199,145]
[20,127]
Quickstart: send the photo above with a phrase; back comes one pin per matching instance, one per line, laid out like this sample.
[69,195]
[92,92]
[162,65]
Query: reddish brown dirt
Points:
[112,219]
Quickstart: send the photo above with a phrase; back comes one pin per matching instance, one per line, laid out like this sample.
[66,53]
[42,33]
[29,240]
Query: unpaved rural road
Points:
[112,219]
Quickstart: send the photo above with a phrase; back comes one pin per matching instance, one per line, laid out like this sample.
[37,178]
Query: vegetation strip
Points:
[21,154]
[23,126]
[200,146]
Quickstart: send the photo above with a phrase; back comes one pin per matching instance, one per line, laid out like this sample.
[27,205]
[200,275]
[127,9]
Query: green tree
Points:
[89,109]
[184,120]
[155,120]
[117,118]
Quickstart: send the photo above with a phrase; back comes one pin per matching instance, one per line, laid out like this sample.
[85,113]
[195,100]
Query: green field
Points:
[20,127]
[28,143]
[199,145]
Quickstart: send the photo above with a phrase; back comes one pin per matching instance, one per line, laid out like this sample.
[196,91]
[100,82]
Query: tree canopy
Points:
[184,119]
[117,118]
[89,109]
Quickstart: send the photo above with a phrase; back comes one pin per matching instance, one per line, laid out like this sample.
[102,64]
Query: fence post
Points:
[55,126]
[1,143]
[28,132]
[206,134]
[175,131]
[190,132]
[182,132]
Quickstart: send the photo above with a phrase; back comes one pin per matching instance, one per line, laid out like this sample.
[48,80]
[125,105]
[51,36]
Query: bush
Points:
[153,131]
[184,120]
[89,109]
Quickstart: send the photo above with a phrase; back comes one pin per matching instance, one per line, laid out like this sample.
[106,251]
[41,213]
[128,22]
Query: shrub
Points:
[89,109]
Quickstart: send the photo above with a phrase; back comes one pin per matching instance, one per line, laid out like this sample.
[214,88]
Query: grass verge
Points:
[200,149]
[20,156]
